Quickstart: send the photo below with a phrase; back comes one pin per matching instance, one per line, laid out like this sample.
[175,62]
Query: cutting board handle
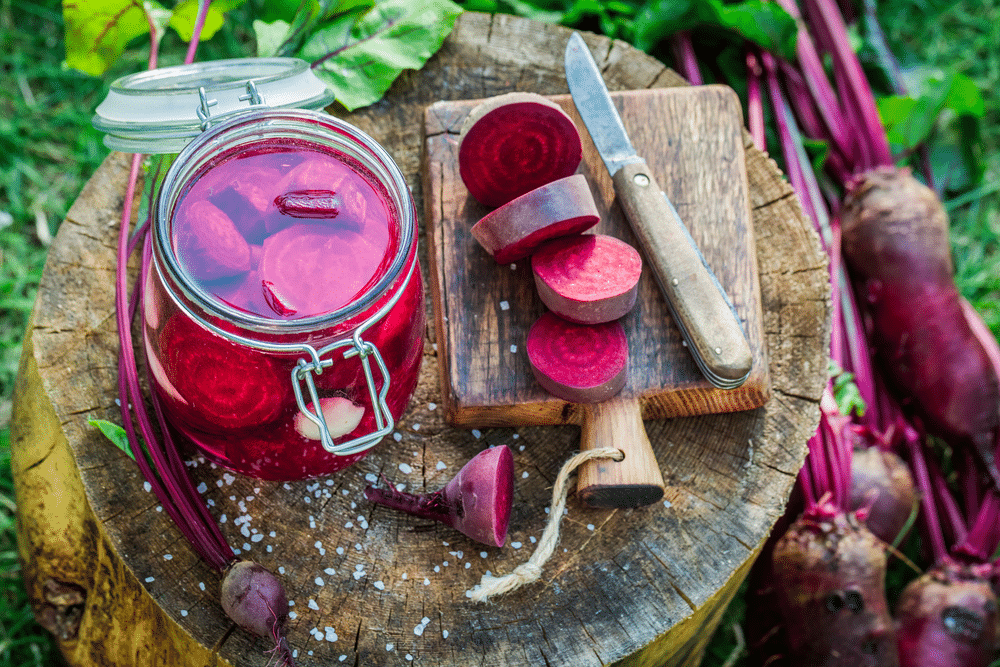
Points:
[635,481]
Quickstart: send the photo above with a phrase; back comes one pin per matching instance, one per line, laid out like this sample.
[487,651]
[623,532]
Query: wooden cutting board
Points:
[692,140]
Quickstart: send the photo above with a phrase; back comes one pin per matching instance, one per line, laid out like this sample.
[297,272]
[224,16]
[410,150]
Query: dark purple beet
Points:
[948,618]
[829,582]
[882,486]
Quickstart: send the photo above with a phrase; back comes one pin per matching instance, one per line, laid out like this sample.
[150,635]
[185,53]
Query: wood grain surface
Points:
[112,576]
[692,141]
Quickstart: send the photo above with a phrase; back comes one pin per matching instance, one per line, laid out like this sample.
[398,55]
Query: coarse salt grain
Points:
[444,634]
[467,565]
[416,427]
[201,585]
[524,475]
[167,556]
[330,571]
[380,585]
[516,545]
[513,349]
[405,468]
[432,406]
[150,580]
[483,554]
[340,551]
[476,433]
[184,612]
[292,615]
[147,486]
[331,634]
[319,581]
[202,488]
[390,646]
[504,305]
[441,465]
[427,582]
[312,605]
[370,477]
[590,526]
[397,436]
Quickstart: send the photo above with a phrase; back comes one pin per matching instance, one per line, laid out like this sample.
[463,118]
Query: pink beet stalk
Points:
[476,502]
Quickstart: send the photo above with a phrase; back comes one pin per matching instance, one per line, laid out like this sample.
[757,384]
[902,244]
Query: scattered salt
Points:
[201,585]
[257,537]
[292,615]
[349,524]
[150,580]
[340,551]
[483,554]
[281,569]
[513,349]
[397,436]
[184,612]
[441,465]
[147,486]
[167,556]
[590,526]
[516,545]
[319,581]
[504,305]
[437,568]
[331,635]
[390,646]
[667,504]
[432,406]
[409,657]
[476,433]
[379,585]
[312,605]
[524,475]
[246,546]
[202,488]
[404,576]
[427,582]
[416,427]
[444,634]
[222,519]
[330,571]
[467,565]
[405,468]
[370,477]
[159,508]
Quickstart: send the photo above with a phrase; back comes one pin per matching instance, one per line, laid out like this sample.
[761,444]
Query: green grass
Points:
[48,150]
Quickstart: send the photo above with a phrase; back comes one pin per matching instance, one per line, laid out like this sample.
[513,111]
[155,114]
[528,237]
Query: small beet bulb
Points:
[256,601]
[476,502]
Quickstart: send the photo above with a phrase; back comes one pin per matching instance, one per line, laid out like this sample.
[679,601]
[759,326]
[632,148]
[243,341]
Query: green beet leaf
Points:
[359,55]
[98,31]
[115,434]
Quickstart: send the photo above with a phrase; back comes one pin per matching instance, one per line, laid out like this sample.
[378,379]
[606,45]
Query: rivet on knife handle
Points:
[696,301]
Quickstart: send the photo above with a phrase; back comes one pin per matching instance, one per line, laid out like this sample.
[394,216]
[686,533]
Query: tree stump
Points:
[111,576]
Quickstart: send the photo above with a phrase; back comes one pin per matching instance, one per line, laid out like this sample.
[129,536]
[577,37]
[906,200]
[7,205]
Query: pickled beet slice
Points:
[580,363]
[247,202]
[513,143]
[224,385]
[208,243]
[588,278]
[516,229]
[317,269]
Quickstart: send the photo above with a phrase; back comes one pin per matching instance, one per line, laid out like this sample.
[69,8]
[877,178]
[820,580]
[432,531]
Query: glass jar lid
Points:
[161,110]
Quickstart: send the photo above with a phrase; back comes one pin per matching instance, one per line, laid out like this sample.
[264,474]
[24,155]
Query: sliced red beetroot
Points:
[225,385]
[589,278]
[516,229]
[514,143]
[246,201]
[208,243]
[309,269]
[580,363]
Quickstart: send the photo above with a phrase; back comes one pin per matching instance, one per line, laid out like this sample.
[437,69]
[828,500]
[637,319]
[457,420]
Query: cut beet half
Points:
[516,229]
[310,269]
[580,363]
[589,278]
[208,243]
[514,143]
[227,386]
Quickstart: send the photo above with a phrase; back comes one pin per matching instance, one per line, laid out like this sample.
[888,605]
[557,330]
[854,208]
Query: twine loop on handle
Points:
[531,570]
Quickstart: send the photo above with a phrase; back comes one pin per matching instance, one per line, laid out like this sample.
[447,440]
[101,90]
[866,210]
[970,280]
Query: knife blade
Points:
[699,305]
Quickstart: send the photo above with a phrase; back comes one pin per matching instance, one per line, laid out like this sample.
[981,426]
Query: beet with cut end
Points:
[476,502]
[948,618]
[829,578]
[223,385]
[516,229]
[208,244]
[882,485]
[309,269]
[580,363]
[514,143]
[895,244]
[588,279]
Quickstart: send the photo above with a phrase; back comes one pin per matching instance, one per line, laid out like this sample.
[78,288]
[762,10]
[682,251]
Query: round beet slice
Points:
[514,143]
[223,385]
[516,229]
[588,278]
[309,269]
[580,363]
[208,243]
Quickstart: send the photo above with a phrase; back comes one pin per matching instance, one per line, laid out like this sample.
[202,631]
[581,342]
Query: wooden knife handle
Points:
[696,300]
[635,481]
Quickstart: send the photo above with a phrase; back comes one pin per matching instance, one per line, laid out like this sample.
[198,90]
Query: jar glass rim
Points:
[254,127]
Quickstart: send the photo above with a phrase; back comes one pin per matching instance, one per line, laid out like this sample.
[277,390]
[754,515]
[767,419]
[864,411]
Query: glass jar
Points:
[283,349]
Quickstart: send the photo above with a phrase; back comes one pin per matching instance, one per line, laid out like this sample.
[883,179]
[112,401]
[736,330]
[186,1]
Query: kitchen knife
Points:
[699,305]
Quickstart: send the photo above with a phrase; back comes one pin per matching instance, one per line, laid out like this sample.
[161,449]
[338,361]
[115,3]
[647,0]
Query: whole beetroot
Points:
[883,489]
[256,601]
[948,618]
[829,584]
[895,244]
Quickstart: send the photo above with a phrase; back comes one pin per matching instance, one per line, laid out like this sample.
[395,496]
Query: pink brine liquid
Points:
[284,232]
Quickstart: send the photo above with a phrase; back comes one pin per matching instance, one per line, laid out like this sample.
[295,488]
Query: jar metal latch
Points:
[205,105]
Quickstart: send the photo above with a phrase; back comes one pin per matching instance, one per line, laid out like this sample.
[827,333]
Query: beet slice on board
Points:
[208,243]
[309,269]
[580,363]
[516,229]
[587,278]
[514,143]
